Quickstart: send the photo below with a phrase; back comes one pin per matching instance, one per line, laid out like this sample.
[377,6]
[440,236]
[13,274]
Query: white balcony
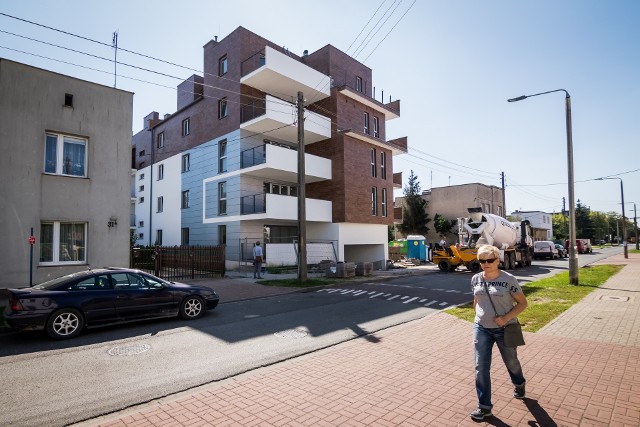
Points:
[276,73]
[277,119]
[281,164]
[286,208]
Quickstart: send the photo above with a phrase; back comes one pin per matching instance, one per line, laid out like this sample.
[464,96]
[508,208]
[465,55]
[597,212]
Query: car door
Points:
[137,298]
[95,297]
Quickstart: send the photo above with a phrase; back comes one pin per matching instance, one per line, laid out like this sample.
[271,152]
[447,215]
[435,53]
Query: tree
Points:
[442,225]
[414,211]
[391,233]
[560,224]
[584,224]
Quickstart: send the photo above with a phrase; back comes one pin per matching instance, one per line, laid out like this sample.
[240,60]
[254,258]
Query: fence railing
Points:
[254,62]
[180,262]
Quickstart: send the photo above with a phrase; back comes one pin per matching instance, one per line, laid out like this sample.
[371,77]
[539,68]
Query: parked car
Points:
[562,251]
[582,245]
[66,305]
[545,249]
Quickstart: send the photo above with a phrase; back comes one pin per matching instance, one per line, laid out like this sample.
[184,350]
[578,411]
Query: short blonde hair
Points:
[485,251]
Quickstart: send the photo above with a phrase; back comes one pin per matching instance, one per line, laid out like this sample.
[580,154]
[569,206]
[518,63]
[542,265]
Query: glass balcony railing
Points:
[256,203]
[253,63]
[253,156]
[254,109]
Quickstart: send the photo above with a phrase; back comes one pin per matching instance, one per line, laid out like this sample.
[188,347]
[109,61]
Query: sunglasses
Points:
[490,260]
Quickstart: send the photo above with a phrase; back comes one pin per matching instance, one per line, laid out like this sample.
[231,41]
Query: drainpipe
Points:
[151,188]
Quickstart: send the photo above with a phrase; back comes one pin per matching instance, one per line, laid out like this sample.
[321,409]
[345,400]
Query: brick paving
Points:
[581,370]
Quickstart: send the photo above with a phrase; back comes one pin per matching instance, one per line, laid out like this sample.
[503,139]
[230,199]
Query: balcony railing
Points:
[253,63]
[253,156]
[255,109]
[253,204]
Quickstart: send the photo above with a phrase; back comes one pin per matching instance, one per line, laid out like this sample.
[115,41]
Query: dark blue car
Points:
[66,305]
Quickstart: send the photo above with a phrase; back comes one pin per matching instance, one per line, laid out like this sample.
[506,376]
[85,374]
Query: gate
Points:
[180,262]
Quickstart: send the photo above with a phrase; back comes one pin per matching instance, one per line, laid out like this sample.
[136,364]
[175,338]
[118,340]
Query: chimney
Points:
[150,120]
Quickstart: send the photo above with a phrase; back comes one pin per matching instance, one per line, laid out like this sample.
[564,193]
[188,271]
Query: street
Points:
[103,370]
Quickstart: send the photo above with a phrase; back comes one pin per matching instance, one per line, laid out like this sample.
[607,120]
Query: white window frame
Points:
[160,204]
[222,198]
[185,199]
[56,243]
[374,201]
[186,162]
[366,123]
[376,127]
[223,65]
[358,83]
[223,110]
[160,172]
[383,165]
[186,126]
[222,156]
[160,141]
[374,166]
[61,139]
[384,202]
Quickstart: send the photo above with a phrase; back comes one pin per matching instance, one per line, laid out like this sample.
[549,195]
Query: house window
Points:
[383,165]
[383,202]
[222,108]
[222,198]
[141,188]
[366,123]
[376,127]
[140,236]
[160,204]
[140,224]
[222,66]
[374,201]
[141,177]
[158,237]
[222,234]
[141,200]
[184,236]
[374,171]
[186,126]
[160,172]
[185,199]
[142,153]
[65,155]
[222,156]
[160,140]
[186,162]
[359,84]
[68,100]
[63,242]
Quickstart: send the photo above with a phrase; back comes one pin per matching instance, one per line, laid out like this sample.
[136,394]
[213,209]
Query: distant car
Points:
[582,245]
[600,242]
[562,251]
[64,306]
[545,249]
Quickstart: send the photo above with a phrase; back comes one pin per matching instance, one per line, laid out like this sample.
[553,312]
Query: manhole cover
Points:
[292,333]
[129,350]
[614,298]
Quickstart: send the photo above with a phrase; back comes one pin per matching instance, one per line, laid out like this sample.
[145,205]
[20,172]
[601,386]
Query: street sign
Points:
[32,240]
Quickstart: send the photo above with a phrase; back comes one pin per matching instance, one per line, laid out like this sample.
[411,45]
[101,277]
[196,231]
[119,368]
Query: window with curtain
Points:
[63,242]
[65,155]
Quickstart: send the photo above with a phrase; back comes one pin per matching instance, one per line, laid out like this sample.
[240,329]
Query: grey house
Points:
[65,173]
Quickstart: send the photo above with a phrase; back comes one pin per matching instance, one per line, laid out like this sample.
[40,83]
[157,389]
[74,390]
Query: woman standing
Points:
[509,301]
[257,260]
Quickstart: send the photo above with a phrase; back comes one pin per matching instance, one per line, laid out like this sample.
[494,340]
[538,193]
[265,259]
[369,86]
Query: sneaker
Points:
[518,392]
[480,414]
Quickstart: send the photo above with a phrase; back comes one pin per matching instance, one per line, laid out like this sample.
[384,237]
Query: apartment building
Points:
[541,223]
[65,171]
[222,169]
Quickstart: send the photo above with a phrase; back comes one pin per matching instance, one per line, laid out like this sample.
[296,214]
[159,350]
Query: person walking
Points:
[503,289]
[257,260]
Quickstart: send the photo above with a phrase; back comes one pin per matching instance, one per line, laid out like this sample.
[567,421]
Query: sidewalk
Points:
[582,370]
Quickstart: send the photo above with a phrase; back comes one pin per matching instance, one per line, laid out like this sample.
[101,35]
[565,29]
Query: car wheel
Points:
[192,307]
[474,266]
[64,324]
[444,265]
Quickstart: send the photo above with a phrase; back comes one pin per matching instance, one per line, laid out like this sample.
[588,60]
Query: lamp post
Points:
[635,223]
[624,218]
[573,255]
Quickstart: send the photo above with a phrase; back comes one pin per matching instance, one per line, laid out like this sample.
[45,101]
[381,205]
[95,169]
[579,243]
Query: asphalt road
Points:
[58,383]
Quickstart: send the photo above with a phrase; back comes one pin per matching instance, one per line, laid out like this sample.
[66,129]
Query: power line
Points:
[384,38]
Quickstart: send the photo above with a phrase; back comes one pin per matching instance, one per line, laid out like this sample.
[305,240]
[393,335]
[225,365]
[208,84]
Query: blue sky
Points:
[453,65]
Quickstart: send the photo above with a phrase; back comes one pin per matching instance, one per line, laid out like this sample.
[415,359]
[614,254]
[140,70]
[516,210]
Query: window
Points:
[366,123]
[65,155]
[140,236]
[142,153]
[374,171]
[160,140]
[222,156]
[282,189]
[95,283]
[68,100]
[141,200]
[185,199]
[63,242]
[359,84]
[374,201]
[160,172]
[184,236]
[160,204]
[141,188]
[186,162]
[383,202]
[158,237]
[222,108]
[383,165]
[140,224]
[222,198]
[376,127]
[186,126]
[141,177]
[222,234]
[222,66]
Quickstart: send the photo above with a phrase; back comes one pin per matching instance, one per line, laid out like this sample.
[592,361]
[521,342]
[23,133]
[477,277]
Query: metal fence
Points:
[180,262]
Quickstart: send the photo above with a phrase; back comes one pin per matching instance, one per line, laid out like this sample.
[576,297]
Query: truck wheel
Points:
[474,266]
[444,265]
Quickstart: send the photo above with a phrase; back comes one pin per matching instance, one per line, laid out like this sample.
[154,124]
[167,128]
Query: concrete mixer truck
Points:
[512,238]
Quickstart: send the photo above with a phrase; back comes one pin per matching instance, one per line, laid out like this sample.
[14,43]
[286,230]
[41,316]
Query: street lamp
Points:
[573,255]
[635,223]
[624,218]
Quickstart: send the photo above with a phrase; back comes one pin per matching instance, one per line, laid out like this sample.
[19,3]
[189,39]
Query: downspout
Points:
[151,188]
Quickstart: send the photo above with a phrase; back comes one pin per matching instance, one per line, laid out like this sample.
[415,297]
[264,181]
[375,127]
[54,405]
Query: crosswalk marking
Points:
[376,295]
[406,299]
[409,300]
[430,303]
[393,297]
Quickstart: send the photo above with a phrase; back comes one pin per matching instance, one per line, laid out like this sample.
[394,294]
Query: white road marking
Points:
[409,300]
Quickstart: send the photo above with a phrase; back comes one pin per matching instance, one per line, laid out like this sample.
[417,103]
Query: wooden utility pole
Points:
[302,214]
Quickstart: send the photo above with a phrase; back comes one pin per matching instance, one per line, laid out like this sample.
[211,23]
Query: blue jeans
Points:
[257,268]
[483,339]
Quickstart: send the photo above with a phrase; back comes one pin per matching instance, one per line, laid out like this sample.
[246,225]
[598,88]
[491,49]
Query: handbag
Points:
[513,336]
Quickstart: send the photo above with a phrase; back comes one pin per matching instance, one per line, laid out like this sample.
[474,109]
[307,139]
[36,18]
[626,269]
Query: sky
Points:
[452,64]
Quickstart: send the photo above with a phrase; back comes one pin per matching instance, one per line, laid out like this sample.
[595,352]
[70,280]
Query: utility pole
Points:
[635,224]
[114,44]
[504,197]
[302,214]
